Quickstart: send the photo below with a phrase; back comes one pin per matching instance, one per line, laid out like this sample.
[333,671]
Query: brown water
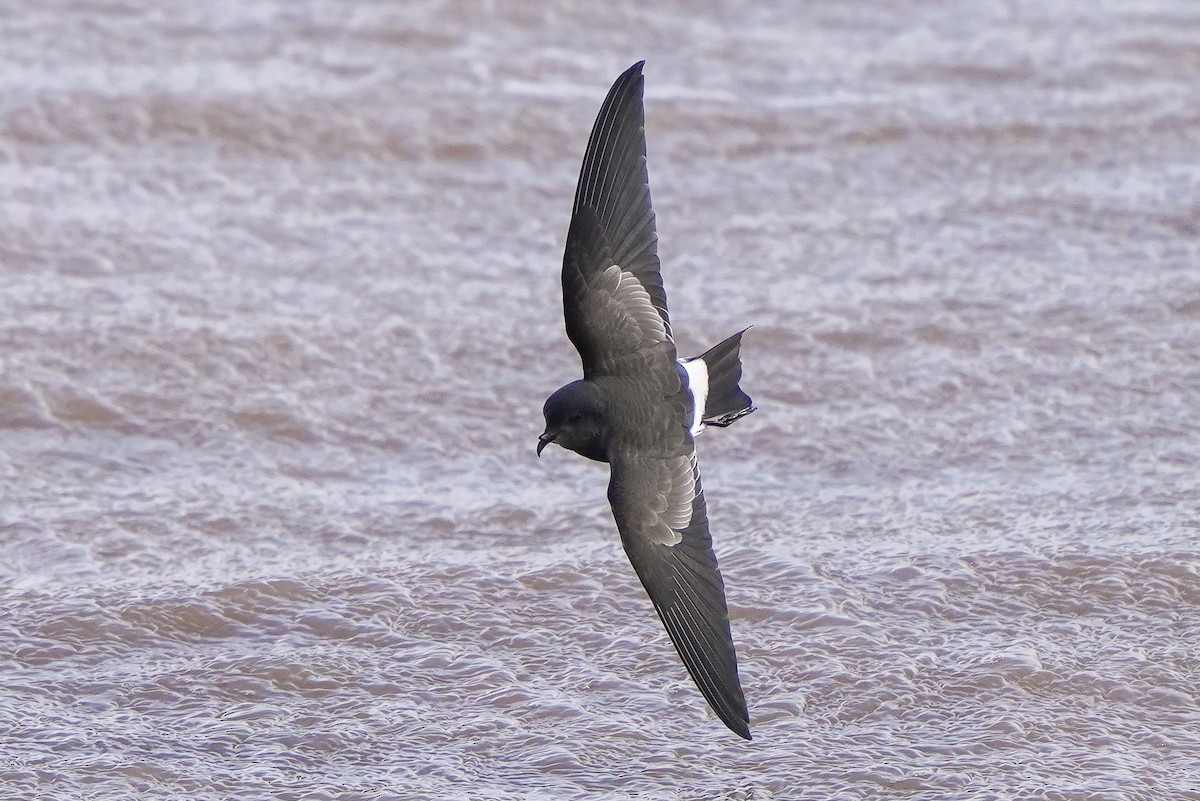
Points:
[279,310]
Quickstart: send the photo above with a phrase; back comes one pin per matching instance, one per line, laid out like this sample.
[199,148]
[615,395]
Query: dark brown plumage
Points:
[638,407]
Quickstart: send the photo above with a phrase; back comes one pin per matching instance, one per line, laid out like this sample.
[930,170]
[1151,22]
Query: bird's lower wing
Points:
[658,503]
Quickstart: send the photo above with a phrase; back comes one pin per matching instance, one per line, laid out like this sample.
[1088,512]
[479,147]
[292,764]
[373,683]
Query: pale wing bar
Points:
[609,312]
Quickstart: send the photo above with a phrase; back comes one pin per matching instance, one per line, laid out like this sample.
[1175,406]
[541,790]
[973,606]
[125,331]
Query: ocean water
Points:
[279,308]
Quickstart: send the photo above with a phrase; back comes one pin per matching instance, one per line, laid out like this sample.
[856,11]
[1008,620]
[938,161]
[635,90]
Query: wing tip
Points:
[633,75]
[730,708]
[736,718]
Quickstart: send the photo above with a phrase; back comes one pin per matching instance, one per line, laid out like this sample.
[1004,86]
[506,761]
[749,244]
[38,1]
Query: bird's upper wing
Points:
[658,503]
[613,296]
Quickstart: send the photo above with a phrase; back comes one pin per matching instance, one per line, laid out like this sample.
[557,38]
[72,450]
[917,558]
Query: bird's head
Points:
[576,420]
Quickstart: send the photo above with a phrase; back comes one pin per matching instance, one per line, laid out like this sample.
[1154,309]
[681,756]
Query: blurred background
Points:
[279,307]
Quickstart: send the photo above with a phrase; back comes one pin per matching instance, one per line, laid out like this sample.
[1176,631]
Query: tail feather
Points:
[726,402]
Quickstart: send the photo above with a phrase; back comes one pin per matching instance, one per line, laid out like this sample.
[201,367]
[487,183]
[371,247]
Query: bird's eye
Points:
[575,418]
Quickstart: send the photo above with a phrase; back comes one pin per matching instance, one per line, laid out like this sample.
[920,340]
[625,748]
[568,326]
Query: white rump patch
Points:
[697,371]
[635,301]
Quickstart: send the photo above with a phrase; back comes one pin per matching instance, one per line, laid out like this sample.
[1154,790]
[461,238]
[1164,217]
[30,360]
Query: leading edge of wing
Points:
[684,584]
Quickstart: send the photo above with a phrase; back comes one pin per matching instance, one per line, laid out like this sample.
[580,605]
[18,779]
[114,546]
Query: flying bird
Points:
[639,407]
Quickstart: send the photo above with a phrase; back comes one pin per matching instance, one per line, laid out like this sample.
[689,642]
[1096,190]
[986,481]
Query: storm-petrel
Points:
[638,407]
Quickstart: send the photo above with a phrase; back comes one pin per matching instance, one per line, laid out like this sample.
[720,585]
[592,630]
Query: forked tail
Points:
[724,401]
